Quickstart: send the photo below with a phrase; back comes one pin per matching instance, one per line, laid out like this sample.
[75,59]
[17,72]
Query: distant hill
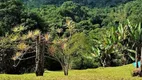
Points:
[90,3]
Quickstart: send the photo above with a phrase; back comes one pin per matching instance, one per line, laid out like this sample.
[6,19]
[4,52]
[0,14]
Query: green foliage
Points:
[10,12]
[90,3]
[106,48]
[117,44]
[133,11]
[79,44]
[135,32]
[75,11]
[84,17]
[84,62]
[80,47]
[55,17]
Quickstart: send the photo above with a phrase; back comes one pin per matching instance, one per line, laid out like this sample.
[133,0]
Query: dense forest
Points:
[90,3]
[68,34]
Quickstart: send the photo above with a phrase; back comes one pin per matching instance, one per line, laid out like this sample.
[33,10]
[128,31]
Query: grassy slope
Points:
[110,73]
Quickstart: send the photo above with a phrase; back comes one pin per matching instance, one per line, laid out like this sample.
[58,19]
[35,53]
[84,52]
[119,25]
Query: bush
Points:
[84,62]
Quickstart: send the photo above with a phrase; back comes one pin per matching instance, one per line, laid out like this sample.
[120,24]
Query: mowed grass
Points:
[109,73]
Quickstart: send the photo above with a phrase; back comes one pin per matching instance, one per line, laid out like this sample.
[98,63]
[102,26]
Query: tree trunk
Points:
[65,64]
[103,61]
[136,58]
[65,68]
[1,61]
[141,60]
[39,57]
[141,64]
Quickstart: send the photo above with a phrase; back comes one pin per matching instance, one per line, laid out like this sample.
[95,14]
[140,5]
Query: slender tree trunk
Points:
[136,58]
[65,65]
[103,61]
[124,59]
[141,60]
[141,64]
[39,57]
[1,61]
[65,68]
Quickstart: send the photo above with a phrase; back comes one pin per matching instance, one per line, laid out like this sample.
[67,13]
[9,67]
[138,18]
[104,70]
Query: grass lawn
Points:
[109,73]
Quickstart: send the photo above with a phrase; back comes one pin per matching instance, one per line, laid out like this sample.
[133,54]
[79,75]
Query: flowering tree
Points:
[58,49]
[32,42]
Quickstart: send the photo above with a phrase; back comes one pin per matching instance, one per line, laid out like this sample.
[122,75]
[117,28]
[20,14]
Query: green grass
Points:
[109,73]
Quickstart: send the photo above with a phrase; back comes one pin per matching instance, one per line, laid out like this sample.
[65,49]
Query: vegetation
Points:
[69,34]
[90,3]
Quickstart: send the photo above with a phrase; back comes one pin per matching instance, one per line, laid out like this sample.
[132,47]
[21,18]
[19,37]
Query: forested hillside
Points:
[68,34]
[90,3]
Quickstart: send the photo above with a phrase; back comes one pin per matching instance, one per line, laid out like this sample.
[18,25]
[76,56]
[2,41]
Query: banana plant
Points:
[128,32]
[135,33]
[112,43]
[122,32]
[106,47]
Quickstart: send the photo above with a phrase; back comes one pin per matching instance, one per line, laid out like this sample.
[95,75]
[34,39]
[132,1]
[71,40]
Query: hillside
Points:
[90,3]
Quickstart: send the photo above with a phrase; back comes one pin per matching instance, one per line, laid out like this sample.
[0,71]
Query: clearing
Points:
[109,73]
